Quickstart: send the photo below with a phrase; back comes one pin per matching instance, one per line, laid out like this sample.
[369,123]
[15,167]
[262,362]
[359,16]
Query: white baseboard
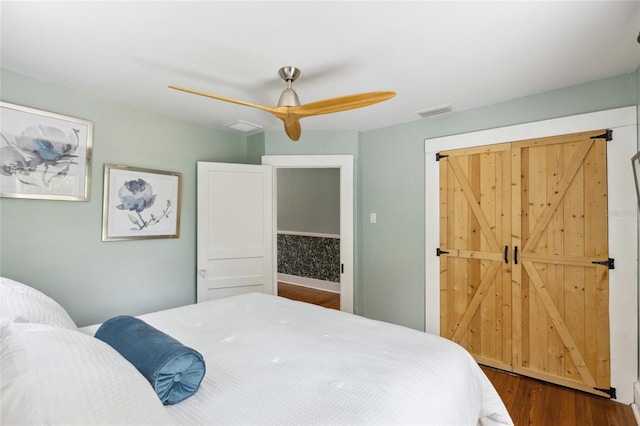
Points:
[310,282]
[636,401]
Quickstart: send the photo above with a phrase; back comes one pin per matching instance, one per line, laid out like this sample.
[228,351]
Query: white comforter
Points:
[272,361]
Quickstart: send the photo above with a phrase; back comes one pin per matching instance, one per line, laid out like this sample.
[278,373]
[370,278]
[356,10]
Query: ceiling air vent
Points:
[430,112]
[243,126]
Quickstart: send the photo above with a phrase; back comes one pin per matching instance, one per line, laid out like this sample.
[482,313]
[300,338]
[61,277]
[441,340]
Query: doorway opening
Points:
[308,234]
[341,165]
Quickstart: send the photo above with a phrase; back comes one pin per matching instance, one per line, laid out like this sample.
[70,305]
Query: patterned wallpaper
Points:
[309,257]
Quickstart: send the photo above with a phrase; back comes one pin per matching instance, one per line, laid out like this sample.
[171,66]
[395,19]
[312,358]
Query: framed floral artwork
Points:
[140,203]
[44,155]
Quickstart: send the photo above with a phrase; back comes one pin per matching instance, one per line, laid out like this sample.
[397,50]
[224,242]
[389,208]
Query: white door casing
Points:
[345,164]
[234,230]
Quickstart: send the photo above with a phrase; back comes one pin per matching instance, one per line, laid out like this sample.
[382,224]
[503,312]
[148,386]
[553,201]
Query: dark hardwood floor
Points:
[309,295]
[529,401]
[534,402]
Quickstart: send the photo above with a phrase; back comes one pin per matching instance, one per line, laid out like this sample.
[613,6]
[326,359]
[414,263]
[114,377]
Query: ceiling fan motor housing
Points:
[288,98]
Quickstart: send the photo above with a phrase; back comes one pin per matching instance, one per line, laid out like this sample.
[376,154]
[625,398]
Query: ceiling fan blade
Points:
[292,128]
[343,103]
[273,110]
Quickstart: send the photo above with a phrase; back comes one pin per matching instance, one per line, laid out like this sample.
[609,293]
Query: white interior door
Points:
[234,230]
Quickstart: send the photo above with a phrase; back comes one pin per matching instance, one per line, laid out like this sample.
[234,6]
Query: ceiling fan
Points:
[289,109]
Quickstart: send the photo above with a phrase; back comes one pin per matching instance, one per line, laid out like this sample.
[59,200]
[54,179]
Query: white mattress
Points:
[272,361]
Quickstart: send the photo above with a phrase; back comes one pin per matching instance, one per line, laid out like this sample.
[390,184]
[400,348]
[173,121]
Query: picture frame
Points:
[635,163]
[140,203]
[44,155]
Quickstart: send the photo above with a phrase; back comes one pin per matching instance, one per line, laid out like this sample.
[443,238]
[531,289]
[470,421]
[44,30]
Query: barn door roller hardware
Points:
[607,135]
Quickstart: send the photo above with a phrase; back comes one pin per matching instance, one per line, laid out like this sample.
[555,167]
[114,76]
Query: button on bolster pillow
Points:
[173,369]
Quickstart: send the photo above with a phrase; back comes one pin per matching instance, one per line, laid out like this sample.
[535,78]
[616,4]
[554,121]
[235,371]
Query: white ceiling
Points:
[467,54]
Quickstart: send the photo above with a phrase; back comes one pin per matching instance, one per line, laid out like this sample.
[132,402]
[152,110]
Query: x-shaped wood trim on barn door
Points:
[489,274]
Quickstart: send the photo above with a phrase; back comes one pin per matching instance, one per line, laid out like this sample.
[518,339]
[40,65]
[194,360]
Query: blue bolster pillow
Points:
[173,369]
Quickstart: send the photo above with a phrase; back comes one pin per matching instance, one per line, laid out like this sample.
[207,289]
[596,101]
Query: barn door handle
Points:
[506,254]
[515,255]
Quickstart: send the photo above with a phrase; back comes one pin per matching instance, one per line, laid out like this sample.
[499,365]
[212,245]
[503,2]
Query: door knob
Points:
[202,272]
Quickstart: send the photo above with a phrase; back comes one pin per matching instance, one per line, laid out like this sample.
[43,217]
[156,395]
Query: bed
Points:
[269,361]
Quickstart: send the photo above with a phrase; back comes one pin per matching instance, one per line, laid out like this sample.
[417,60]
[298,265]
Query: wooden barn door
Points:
[523,257]
[475,228]
[561,292]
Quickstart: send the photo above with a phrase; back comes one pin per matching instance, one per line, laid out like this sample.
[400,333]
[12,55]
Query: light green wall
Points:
[391,171]
[255,148]
[56,246]
[313,143]
[391,285]
[309,200]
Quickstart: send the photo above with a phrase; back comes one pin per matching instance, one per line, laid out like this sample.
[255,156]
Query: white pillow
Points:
[57,376]
[24,303]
